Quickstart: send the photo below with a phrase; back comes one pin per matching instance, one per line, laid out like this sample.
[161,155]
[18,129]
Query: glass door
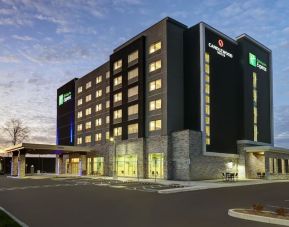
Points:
[156,165]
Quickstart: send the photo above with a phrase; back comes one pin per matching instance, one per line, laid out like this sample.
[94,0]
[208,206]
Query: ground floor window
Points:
[287,166]
[279,164]
[126,165]
[95,166]
[156,165]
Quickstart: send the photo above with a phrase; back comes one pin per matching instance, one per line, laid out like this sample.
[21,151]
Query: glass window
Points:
[133,56]
[155,125]
[98,93]
[107,89]
[208,140]
[79,89]
[132,91]
[208,132]
[133,109]
[117,65]
[88,111]
[207,77]
[107,135]
[207,68]
[132,73]
[98,122]
[79,102]
[254,80]
[117,97]
[88,85]
[98,137]
[155,104]
[98,107]
[207,89]
[207,99]
[156,84]
[107,119]
[207,120]
[117,131]
[107,75]
[88,125]
[207,58]
[155,47]
[117,81]
[79,127]
[155,65]
[133,128]
[98,79]
[107,104]
[79,114]
[79,140]
[87,98]
[117,114]
[87,139]
[207,109]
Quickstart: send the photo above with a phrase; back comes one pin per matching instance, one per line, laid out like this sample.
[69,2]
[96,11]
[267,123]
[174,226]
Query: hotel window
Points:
[132,110]
[88,85]
[255,110]
[133,128]
[98,79]
[88,139]
[107,75]
[155,47]
[155,65]
[87,98]
[79,140]
[107,135]
[98,122]
[132,91]
[156,84]
[117,131]
[79,127]
[87,111]
[133,56]
[155,125]
[207,99]
[98,107]
[98,93]
[98,137]
[117,65]
[88,125]
[155,104]
[117,81]
[107,89]
[79,89]
[79,102]
[107,104]
[117,114]
[79,114]
[107,119]
[132,74]
[117,97]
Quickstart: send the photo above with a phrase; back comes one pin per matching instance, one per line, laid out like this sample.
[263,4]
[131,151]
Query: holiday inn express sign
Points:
[255,62]
[64,98]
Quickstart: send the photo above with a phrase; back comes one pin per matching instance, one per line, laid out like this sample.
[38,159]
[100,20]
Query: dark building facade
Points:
[167,95]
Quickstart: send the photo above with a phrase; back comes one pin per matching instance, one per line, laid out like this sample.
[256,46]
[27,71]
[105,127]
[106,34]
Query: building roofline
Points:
[102,65]
[74,79]
[246,36]
[267,149]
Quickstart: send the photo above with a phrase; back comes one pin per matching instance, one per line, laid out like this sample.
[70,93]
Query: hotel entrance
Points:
[72,166]
[126,165]
[156,165]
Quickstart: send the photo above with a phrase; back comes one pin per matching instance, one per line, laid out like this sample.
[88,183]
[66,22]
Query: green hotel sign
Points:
[255,62]
[64,98]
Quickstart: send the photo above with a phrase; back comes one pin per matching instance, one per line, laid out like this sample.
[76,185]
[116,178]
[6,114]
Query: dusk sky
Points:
[44,44]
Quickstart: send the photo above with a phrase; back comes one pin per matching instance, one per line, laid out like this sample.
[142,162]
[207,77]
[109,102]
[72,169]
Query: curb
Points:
[13,217]
[252,217]
[185,189]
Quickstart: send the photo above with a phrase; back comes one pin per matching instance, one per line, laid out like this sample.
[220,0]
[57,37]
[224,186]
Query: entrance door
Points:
[126,165]
[156,165]
[74,166]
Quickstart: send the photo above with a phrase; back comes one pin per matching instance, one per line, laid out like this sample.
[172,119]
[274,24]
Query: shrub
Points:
[258,207]
[281,211]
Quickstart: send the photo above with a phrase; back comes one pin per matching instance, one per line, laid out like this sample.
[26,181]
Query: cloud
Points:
[282,125]
[9,59]
[23,38]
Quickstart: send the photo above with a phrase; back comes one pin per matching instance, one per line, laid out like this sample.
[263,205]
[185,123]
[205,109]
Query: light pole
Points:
[114,156]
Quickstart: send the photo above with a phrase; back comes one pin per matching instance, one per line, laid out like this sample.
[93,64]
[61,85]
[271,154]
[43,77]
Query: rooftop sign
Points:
[64,98]
[220,50]
[255,62]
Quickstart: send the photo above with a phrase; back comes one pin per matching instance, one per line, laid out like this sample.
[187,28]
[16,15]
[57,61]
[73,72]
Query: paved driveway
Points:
[76,203]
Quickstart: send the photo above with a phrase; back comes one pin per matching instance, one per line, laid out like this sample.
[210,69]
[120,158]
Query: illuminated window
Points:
[87,98]
[132,91]
[98,93]
[79,89]
[255,133]
[117,65]
[107,104]
[117,114]
[98,107]
[155,47]
[207,77]
[107,135]
[133,109]
[79,114]
[79,140]
[207,88]
[207,109]
[133,56]
[156,84]
[208,133]
[155,125]
[98,79]
[132,74]
[88,125]
[207,120]
[207,68]
[98,137]
[255,96]
[88,111]
[133,128]
[107,75]
[107,89]
[107,119]
[255,115]
[117,81]
[208,140]
[88,85]
[87,139]
[98,122]
[155,65]
[155,104]
[79,102]
[117,131]
[117,97]
[79,127]
[254,80]
[207,58]
[207,99]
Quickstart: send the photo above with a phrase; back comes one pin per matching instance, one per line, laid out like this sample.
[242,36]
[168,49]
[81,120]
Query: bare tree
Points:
[16,131]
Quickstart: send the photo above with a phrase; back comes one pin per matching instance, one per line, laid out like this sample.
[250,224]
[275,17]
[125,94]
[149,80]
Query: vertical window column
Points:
[255,112]
[207,99]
